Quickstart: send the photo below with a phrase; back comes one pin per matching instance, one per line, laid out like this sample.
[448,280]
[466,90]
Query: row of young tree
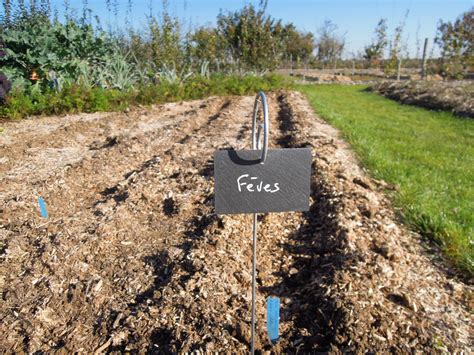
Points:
[36,45]
[455,40]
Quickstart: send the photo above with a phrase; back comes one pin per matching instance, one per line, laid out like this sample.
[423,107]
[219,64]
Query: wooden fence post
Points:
[423,63]
[291,64]
[399,68]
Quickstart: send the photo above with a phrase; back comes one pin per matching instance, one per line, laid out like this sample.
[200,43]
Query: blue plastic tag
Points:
[273,318]
[42,206]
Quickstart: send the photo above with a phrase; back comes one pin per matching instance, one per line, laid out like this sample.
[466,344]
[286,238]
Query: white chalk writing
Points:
[247,183]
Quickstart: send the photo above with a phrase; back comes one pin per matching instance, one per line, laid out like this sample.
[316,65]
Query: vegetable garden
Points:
[109,237]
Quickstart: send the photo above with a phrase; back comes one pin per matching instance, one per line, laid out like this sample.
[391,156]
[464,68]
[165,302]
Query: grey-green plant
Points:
[204,70]
[172,75]
[119,71]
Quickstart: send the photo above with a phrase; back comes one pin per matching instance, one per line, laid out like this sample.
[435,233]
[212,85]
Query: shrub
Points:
[456,41]
[75,98]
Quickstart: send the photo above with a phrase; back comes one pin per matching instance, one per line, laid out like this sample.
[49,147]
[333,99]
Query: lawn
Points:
[428,155]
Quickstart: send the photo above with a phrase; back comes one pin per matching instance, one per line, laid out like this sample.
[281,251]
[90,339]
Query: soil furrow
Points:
[310,246]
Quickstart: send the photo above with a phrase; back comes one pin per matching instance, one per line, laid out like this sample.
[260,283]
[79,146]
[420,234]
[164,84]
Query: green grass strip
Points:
[428,155]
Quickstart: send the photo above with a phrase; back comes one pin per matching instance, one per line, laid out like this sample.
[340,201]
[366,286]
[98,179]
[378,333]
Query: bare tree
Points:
[329,44]
[397,47]
[418,42]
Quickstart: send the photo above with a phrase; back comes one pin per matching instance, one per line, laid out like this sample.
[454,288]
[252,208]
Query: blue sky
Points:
[356,18]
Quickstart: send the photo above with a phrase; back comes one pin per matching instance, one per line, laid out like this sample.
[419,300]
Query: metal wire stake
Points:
[254,272]
[256,133]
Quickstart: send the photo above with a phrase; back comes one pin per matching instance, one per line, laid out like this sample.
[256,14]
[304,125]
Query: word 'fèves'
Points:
[258,186]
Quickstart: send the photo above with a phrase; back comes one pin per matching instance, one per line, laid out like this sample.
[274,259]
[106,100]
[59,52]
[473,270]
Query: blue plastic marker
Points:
[273,318]
[42,206]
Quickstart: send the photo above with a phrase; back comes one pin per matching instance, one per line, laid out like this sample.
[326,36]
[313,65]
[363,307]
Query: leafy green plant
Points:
[51,53]
[36,100]
[5,84]
[36,46]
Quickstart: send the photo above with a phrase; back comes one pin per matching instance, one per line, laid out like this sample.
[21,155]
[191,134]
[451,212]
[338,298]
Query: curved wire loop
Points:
[257,131]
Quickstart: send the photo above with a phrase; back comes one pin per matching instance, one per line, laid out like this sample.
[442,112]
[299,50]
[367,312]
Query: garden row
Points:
[455,96]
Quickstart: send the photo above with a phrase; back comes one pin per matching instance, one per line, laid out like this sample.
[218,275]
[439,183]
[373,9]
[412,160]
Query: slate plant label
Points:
[244,185]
